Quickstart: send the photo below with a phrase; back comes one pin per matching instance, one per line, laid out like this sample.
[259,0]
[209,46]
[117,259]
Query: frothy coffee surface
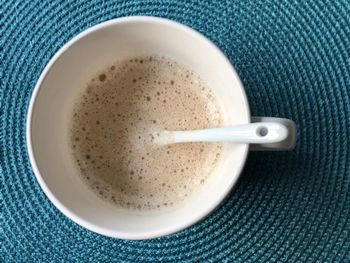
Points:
[111,126]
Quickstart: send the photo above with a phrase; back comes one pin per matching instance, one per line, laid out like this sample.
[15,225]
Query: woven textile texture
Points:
[294,60]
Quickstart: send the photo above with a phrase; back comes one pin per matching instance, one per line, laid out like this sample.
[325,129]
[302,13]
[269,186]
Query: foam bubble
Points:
[111,123]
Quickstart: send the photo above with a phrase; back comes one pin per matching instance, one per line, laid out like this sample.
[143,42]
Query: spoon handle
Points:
[261,132]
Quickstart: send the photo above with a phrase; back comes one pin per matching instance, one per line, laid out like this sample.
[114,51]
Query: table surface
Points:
[294,60]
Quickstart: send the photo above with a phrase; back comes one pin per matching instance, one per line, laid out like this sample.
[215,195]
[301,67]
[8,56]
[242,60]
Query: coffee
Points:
[111,127]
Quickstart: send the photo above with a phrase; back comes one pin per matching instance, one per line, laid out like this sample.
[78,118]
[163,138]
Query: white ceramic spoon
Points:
[260,133]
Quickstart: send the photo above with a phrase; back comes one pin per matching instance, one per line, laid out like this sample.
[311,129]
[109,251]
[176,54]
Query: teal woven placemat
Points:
[294,60]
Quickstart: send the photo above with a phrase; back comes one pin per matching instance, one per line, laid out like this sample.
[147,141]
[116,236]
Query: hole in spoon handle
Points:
[285,145]
[262,131]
